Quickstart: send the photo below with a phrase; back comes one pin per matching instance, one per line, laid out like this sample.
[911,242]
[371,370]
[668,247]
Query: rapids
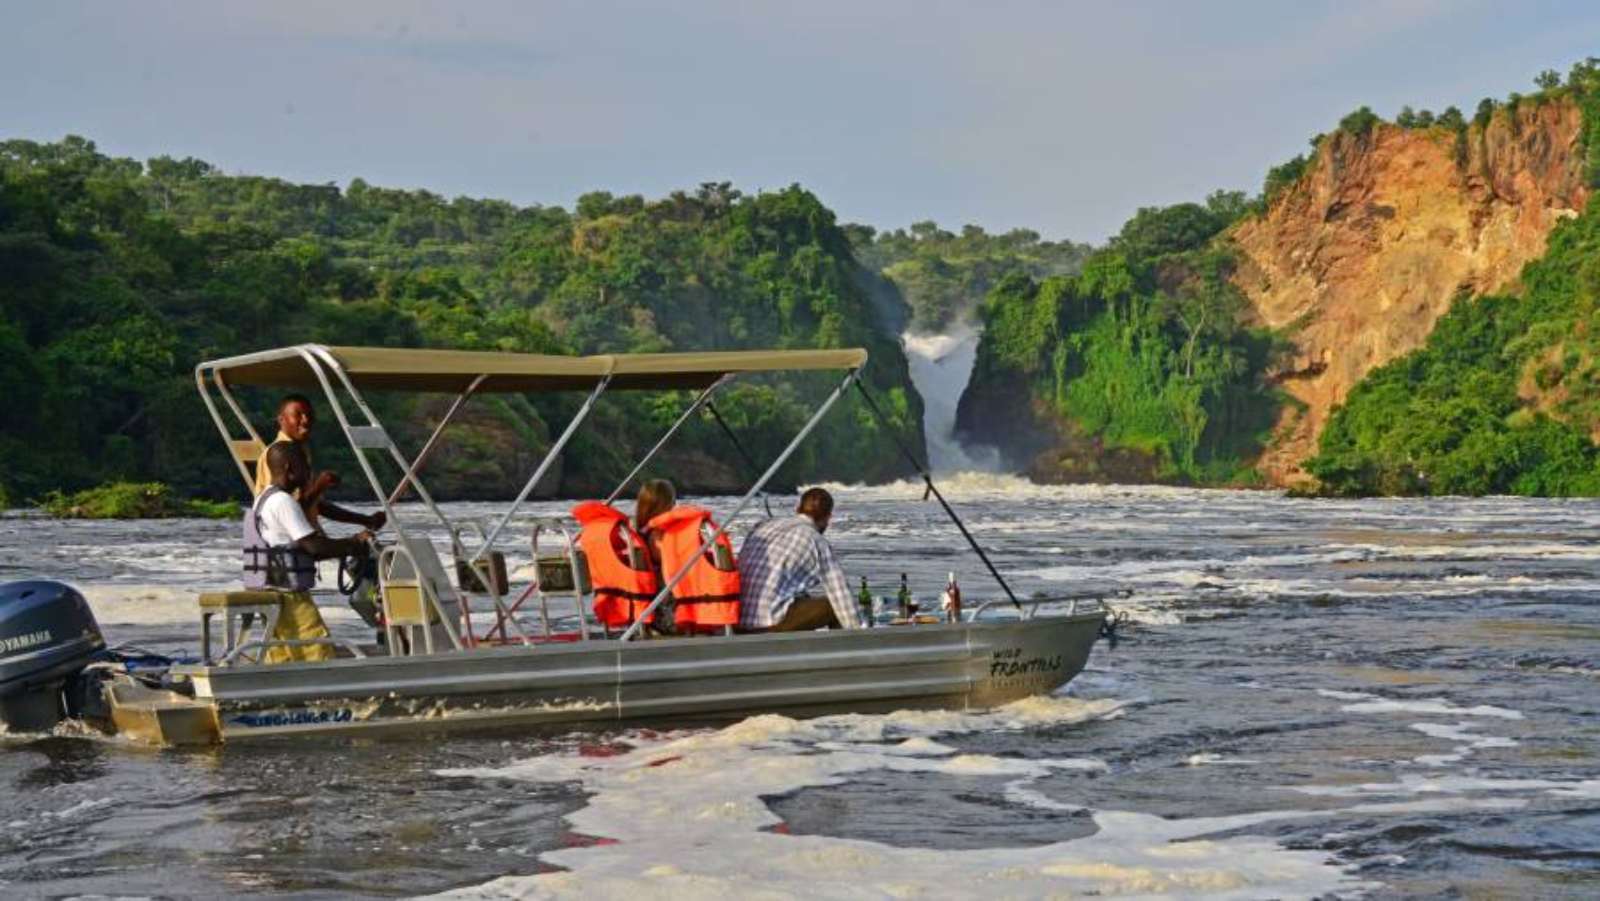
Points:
[1315,698]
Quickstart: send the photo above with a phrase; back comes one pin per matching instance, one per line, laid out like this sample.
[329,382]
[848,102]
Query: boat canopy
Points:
[453,371]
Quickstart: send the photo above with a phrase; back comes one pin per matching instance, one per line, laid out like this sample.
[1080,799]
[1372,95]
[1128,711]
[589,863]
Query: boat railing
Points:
[562,574]
[1027,607]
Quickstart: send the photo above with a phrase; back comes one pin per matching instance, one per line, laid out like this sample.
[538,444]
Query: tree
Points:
[1281,176]
[1360,122]
[1548,80]
[1228,206]
[1484,113]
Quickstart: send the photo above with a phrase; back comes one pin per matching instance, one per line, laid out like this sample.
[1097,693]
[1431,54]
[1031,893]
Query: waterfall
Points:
[941,366]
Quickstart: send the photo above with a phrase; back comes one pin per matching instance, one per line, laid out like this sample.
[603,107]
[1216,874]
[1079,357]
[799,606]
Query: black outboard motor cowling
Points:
[47,636]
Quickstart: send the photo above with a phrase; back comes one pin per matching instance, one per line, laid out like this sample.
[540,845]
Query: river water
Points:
[1383,698]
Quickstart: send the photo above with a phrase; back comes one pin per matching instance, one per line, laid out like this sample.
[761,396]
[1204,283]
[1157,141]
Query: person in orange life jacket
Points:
[295,419]
[789,578]
[276,527]
[656,496]
[619,564]
[706,596]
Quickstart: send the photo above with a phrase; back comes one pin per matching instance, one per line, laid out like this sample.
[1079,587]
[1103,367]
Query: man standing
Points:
[295,418]
[281,549]
[788,577]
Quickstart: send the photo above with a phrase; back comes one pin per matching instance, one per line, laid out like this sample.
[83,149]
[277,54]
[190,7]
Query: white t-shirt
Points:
[282,520]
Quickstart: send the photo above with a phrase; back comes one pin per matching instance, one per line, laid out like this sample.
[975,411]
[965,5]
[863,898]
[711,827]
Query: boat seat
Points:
[238,609]
[414,589]
[557,575]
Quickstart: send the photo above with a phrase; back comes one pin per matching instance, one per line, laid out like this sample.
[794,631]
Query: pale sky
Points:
[1061,117]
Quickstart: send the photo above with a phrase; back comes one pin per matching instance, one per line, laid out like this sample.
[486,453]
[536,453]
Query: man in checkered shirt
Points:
[789,580]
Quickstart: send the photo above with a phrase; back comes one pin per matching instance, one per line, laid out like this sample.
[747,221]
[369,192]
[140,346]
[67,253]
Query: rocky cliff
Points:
[1356,261]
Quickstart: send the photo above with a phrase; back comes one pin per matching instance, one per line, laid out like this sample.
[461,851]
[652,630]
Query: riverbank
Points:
[133,500]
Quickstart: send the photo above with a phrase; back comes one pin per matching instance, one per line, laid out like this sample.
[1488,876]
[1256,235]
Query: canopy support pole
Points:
[311,354]
[544,466]
[703,399]
[222,427]
[708,543]
[407,470]
[422,455]
[743,454]
[928,480]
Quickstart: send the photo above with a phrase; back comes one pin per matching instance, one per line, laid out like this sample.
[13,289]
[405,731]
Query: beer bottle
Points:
[864,601]
[908,607]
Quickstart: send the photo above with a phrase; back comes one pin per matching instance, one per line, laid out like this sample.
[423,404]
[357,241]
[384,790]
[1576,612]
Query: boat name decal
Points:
[291,718]
[1010,662]
[25,640]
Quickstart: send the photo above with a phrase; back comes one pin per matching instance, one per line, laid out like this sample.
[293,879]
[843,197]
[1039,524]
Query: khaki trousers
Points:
[807,613]
[298,620]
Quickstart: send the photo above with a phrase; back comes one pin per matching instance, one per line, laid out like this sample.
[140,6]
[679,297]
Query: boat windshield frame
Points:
[468,373]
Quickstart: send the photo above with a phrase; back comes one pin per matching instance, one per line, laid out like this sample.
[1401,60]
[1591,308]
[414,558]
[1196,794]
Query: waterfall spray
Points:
[941,366]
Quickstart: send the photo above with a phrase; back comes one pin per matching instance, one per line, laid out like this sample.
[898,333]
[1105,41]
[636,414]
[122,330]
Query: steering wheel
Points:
[353,570]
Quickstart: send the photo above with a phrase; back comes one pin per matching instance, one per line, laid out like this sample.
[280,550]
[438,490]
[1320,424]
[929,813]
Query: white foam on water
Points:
[1468,742]
[1210,759]
[1366,703]
[971,485]
[1588,789]
[688,818]
[1419,784]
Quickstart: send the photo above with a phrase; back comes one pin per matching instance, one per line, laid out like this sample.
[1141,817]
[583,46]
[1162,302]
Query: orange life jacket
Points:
[708,597]
[619,564]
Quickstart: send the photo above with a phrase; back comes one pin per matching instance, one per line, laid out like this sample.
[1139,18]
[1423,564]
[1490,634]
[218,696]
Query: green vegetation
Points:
[1500,400]
[133,500]
[944,276]
[120,276]
[1143,350]
[1281,177]
[1359,123]
[1505,395]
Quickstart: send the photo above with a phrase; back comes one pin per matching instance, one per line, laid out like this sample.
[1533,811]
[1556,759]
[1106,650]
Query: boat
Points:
[482,650]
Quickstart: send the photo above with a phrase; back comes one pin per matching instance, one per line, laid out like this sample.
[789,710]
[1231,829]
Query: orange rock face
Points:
[1359,259]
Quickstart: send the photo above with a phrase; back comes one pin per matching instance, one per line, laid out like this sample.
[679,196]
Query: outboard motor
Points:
[47,636]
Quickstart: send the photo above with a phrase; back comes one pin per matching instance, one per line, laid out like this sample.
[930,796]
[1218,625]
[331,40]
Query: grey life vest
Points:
[284,568]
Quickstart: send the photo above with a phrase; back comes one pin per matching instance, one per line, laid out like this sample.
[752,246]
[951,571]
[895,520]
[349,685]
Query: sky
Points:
[1060,117]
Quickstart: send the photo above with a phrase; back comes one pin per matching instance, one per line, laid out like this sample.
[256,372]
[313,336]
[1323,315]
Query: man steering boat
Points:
[281,550]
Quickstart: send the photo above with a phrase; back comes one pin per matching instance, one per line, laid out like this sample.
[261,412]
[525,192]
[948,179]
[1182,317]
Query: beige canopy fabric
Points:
[413,369]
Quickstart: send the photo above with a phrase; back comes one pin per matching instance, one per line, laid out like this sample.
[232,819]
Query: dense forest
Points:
[1504,398]
[1140,361]
[121,275]
[945,276]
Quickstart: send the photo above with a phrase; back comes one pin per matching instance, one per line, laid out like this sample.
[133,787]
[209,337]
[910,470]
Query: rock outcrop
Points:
[1357,260]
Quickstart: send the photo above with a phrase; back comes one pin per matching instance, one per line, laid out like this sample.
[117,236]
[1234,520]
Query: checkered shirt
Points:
[785,558]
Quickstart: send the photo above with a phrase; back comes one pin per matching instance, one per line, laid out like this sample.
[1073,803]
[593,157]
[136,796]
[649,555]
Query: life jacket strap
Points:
[709,599]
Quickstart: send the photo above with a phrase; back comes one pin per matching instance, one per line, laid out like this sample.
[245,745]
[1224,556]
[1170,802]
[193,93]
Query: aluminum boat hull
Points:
[598,683]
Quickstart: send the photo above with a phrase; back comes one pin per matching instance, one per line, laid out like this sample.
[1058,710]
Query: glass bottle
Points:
[952,600]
